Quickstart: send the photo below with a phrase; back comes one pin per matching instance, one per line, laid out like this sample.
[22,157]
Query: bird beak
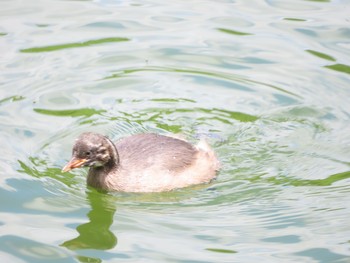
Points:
[74,163]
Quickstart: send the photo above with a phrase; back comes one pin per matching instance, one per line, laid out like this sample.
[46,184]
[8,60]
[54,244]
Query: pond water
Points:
[266,82]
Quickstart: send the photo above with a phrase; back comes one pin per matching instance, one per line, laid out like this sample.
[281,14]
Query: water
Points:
[267,82]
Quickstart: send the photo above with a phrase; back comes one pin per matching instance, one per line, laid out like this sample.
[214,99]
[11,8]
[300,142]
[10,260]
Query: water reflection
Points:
[273,86]
[96,233]
[73,45]
[29,250]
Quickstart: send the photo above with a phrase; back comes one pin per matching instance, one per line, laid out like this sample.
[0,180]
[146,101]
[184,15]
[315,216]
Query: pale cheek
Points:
[97,164]
[103,158]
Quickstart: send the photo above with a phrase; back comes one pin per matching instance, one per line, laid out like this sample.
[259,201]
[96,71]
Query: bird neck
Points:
[114,161]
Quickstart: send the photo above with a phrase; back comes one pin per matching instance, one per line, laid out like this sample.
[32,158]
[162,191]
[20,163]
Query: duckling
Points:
[146,162]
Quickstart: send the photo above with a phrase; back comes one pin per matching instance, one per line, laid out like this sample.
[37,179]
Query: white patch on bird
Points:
[97,164]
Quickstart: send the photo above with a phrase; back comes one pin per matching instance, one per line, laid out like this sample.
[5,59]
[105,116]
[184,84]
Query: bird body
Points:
[143,163]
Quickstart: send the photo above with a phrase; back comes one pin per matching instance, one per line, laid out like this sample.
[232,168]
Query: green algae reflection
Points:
[294,19]
[233,32]
[330,180]
[74,45]
[340,67]
[220,250]
[320,55]
[11,99]
[86,112]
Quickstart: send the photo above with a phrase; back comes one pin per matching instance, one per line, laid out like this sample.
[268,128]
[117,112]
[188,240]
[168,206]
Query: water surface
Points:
[267,82]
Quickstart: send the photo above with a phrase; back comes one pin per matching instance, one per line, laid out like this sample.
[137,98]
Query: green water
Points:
[267,82]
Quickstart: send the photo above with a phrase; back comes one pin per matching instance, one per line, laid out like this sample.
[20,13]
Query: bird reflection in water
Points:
[96,233]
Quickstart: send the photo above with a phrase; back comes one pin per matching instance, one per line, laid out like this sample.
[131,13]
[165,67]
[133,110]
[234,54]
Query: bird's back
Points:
[142,151]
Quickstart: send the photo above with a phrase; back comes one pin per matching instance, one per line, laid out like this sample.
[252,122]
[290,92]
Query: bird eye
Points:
[87,153]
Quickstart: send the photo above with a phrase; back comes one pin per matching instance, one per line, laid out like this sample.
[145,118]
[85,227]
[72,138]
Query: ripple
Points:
[323,255]
[167,19]
[196,72]
[268,87]
[29,250]
[106,24]
[290,6]
[286,239]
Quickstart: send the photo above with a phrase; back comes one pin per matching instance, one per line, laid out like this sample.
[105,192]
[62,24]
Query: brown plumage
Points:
[143,162]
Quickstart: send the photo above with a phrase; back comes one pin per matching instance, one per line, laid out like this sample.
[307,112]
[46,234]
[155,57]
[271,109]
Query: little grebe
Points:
[143,162]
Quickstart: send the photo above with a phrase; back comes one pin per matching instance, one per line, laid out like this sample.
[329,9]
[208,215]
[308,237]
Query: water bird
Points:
[145,162]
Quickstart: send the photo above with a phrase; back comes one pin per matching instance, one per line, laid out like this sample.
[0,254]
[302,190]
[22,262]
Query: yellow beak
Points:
[74,163]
